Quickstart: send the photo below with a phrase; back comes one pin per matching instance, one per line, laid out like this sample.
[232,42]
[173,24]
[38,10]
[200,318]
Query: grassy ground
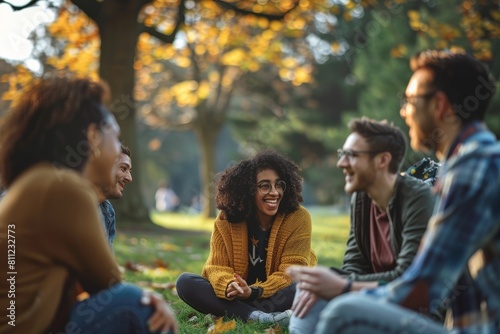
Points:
[154,256]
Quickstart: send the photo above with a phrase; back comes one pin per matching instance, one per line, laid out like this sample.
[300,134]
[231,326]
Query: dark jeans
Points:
[198,293]
[115,310]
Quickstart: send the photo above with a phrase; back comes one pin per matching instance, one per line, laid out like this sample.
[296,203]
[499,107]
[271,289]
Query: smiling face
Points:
[359,170]
[417,113]
[105,150]
[267,204]
[123,176]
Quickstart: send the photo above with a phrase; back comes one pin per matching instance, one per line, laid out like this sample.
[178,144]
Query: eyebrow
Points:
[125,164]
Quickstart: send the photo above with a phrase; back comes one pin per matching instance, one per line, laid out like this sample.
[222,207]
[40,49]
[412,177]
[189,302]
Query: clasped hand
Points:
[238,288]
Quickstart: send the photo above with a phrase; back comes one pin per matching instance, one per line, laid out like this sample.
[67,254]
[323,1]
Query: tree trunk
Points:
[207,131]
[119,35]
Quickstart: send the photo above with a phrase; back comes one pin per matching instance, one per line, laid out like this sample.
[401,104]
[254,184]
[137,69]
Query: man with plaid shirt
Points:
[457,267]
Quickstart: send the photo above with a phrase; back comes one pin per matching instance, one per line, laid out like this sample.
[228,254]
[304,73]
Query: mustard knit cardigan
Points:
[289,244]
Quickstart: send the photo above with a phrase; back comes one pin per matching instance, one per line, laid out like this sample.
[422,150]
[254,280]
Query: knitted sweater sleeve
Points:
[289,244]
[218,269]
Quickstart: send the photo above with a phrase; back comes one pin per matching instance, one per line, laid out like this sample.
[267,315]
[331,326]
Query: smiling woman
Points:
[260,231]
[58,146]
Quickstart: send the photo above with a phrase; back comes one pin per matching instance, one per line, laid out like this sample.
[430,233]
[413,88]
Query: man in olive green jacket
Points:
[389,215]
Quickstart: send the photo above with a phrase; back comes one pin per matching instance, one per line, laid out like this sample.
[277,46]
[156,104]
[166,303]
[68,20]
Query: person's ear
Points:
[384,159]
[442,106]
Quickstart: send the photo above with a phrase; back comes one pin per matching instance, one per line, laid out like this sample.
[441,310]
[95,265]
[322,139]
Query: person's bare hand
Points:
[163,318]
[238,288]
[321,281]
[303,303]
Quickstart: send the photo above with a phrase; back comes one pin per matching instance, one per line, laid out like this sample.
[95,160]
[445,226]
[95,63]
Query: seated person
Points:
[260,231]
[58,147]
[389,215]
[458,263]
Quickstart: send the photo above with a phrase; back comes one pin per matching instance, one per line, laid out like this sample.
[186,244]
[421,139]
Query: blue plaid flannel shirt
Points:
[466,220]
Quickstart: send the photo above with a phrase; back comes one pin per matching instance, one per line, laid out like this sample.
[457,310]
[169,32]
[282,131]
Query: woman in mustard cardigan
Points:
[261,230]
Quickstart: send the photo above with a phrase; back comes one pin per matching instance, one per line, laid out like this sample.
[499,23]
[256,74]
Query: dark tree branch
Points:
[17,8]
[91,8]
[270,17]
[167,39]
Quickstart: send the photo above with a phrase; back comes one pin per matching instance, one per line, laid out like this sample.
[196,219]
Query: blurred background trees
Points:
[199,84]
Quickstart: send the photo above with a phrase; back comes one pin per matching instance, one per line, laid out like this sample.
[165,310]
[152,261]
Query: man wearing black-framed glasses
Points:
[458,264]
[389,214]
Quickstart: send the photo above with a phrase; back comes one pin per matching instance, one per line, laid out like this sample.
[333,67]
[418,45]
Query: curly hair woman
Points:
[58,146]
[261,230]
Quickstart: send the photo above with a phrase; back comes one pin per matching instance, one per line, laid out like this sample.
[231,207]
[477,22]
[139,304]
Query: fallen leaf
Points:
[221,327]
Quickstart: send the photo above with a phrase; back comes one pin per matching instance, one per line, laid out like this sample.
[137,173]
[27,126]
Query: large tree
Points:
[218,42]
[226,33]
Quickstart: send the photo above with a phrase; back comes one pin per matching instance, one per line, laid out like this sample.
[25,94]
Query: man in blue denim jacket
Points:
[123,176]
[458,265]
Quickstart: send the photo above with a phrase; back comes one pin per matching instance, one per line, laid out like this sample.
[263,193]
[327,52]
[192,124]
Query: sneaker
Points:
[282,318]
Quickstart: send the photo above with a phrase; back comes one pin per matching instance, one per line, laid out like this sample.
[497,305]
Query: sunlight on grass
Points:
[328,240]
[153,258]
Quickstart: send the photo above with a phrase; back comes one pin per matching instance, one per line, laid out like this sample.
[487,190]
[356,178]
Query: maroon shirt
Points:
[381,253]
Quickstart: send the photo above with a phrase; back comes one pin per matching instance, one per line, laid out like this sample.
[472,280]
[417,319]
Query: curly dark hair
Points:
[466,81]
[48,123]
[237,185]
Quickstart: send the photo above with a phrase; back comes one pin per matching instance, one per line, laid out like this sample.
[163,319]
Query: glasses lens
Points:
[280,186]
[264,188]
[340,153]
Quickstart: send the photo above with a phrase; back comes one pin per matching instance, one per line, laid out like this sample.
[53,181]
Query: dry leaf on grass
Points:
[273,330]
[221,327]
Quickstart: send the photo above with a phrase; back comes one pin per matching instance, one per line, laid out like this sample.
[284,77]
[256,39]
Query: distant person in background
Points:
[166,199]
[58,148]
[261,230]
[123,177]
[196,205]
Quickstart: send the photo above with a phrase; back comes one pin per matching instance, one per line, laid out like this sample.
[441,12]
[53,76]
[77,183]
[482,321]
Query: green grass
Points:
[154,256]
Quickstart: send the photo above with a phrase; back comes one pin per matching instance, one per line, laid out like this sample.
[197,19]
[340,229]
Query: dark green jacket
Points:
[409,211]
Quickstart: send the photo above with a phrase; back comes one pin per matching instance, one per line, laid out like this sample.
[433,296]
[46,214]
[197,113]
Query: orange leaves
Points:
[399,51]
[82,44]
[234,57]
[221,327]
[17,80]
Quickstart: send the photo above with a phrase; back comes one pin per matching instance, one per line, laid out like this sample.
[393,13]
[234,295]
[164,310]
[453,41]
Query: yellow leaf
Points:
[233,57]
[221,327]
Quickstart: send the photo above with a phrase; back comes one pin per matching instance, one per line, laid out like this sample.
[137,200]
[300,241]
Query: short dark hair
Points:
[48,122]
[126,150]
[237,185]
[382,137]
[465,80]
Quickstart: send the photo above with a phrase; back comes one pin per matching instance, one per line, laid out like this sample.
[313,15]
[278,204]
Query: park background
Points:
[197,85]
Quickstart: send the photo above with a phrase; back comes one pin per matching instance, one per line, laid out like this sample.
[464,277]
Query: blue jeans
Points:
[114,310]
[308,323]
[357,313]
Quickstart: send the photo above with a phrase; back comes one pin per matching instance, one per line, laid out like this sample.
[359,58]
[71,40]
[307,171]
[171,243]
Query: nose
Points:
[402,111]
[342,162]
[128,177]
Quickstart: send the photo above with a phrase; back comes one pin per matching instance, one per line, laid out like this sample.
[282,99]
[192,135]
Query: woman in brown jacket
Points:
[58,147]
[261,230]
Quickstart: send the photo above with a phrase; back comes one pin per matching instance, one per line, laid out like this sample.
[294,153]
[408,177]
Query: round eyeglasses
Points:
[265,187]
